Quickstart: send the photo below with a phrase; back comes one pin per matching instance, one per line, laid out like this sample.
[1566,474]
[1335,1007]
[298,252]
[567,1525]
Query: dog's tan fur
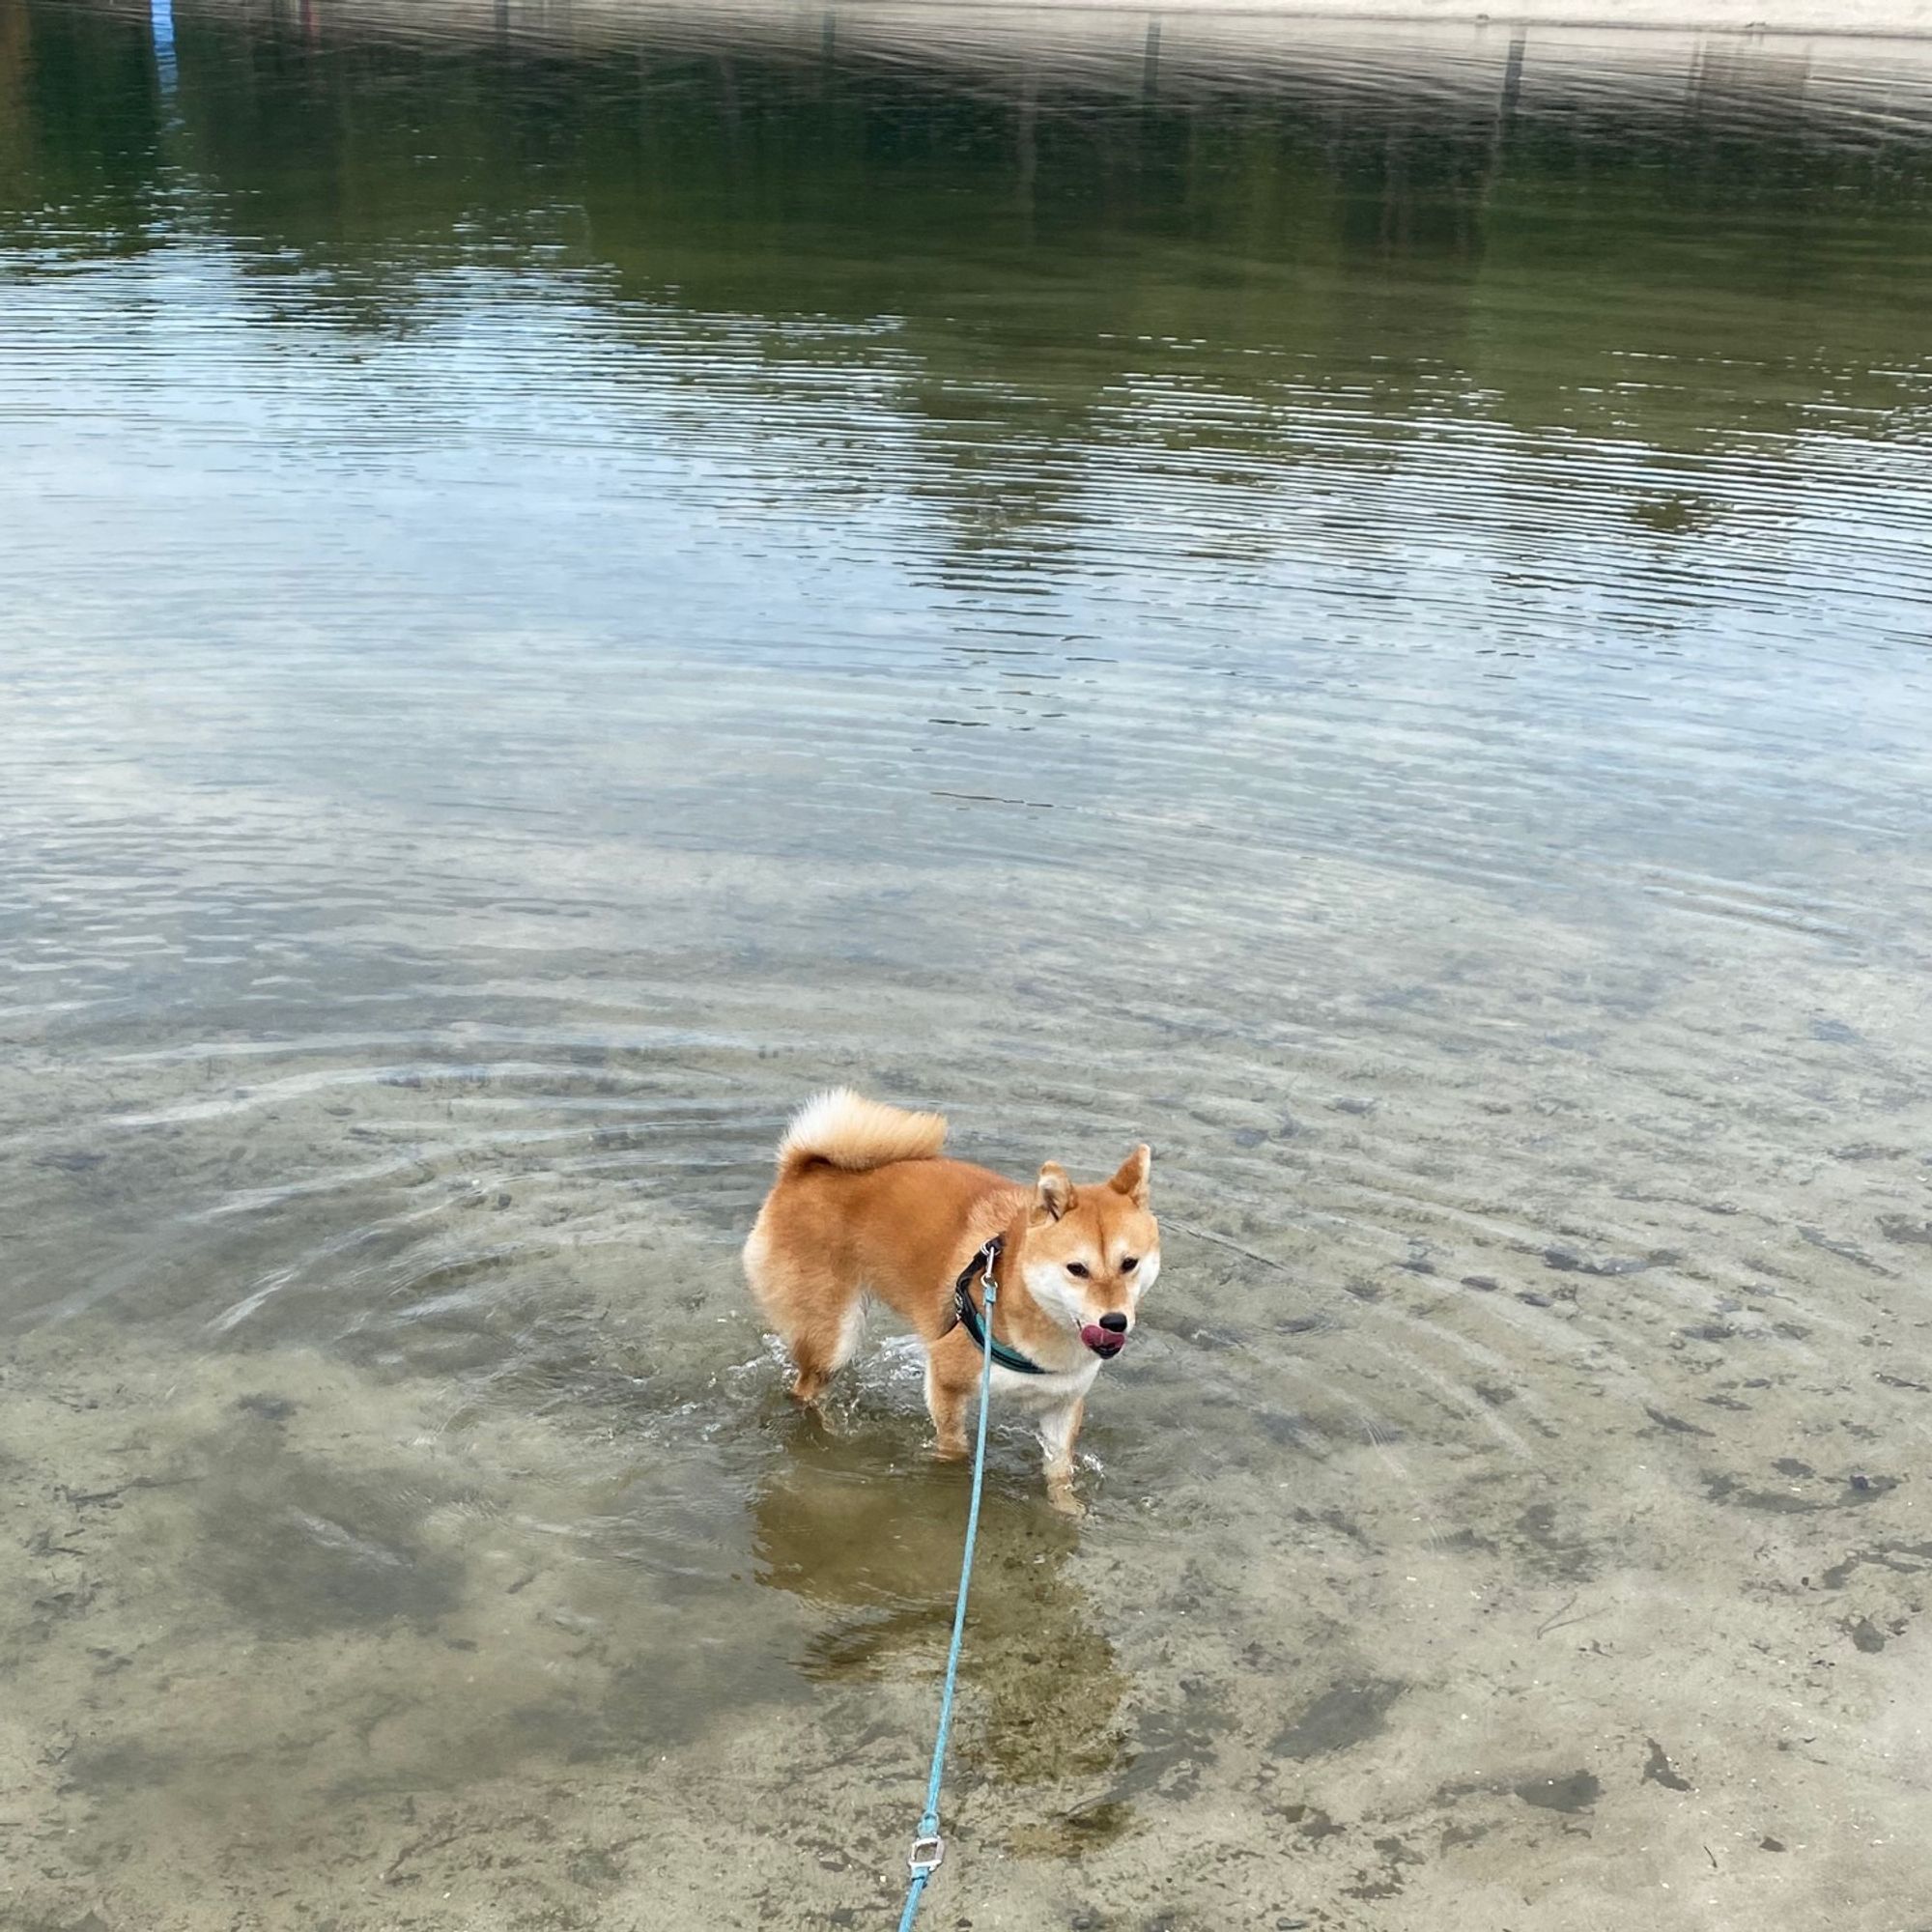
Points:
[864,1204]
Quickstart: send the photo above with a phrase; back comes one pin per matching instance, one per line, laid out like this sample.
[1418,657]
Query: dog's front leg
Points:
[1056,1429]
[946,1402]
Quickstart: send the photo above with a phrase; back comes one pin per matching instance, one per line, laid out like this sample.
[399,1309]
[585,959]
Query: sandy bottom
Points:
[1534,1565]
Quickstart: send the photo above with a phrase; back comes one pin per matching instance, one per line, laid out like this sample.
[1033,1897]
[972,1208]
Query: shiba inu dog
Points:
[865,1204]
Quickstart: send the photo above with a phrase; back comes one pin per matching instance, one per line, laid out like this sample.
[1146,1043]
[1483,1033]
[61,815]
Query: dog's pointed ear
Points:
[1132,1178]
[1056,1193]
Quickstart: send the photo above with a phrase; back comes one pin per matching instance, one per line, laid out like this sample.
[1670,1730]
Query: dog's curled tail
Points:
[848,1130]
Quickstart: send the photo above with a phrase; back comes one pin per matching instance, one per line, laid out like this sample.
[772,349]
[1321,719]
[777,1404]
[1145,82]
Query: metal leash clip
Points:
[926,1855]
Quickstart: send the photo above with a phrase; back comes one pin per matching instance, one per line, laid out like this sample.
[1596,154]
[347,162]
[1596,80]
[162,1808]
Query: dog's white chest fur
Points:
[1047,1391]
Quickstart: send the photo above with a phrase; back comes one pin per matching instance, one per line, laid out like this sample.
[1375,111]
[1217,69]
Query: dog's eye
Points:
[1130,1262]
[1077,1267]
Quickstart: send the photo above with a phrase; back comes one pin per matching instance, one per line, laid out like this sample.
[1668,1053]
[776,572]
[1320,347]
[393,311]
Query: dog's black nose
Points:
[1115,1322]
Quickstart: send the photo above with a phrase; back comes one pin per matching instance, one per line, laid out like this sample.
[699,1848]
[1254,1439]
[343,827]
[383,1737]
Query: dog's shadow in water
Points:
[853,1527]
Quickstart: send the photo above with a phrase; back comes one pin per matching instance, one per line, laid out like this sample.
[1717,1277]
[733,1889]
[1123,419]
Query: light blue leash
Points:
[928,1848]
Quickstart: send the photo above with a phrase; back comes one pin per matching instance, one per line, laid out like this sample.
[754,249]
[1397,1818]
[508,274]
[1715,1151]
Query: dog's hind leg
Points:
[820,1342]
[823,1345]
[816,1315]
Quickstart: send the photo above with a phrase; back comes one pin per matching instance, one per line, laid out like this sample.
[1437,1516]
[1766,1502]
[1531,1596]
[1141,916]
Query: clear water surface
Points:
[1353,602]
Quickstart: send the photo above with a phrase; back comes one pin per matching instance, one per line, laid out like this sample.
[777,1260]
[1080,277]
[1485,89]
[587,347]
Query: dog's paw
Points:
[1065,1501]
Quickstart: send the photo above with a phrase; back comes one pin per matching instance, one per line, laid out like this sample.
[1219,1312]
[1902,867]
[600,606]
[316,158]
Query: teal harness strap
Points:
[929,1848]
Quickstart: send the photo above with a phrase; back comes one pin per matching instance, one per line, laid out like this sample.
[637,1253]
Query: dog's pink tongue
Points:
[1105,1339]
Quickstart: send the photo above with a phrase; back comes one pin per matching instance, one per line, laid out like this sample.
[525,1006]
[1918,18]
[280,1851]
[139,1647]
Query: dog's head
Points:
[1093,1251]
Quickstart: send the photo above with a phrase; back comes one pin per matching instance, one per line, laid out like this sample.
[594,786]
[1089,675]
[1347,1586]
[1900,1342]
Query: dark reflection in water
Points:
[1034,237]
[887,1553]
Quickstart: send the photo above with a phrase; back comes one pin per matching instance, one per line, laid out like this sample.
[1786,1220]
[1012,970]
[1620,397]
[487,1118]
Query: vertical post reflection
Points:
[161,14]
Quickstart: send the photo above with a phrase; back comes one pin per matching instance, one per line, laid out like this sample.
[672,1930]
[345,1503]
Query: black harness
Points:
[967,1315]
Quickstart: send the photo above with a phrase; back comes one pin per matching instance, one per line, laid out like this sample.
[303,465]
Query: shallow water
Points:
[1350,603]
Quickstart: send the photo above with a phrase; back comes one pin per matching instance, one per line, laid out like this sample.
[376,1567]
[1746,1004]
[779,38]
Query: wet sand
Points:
[1565,45]
[1650,30]
[1819,18]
